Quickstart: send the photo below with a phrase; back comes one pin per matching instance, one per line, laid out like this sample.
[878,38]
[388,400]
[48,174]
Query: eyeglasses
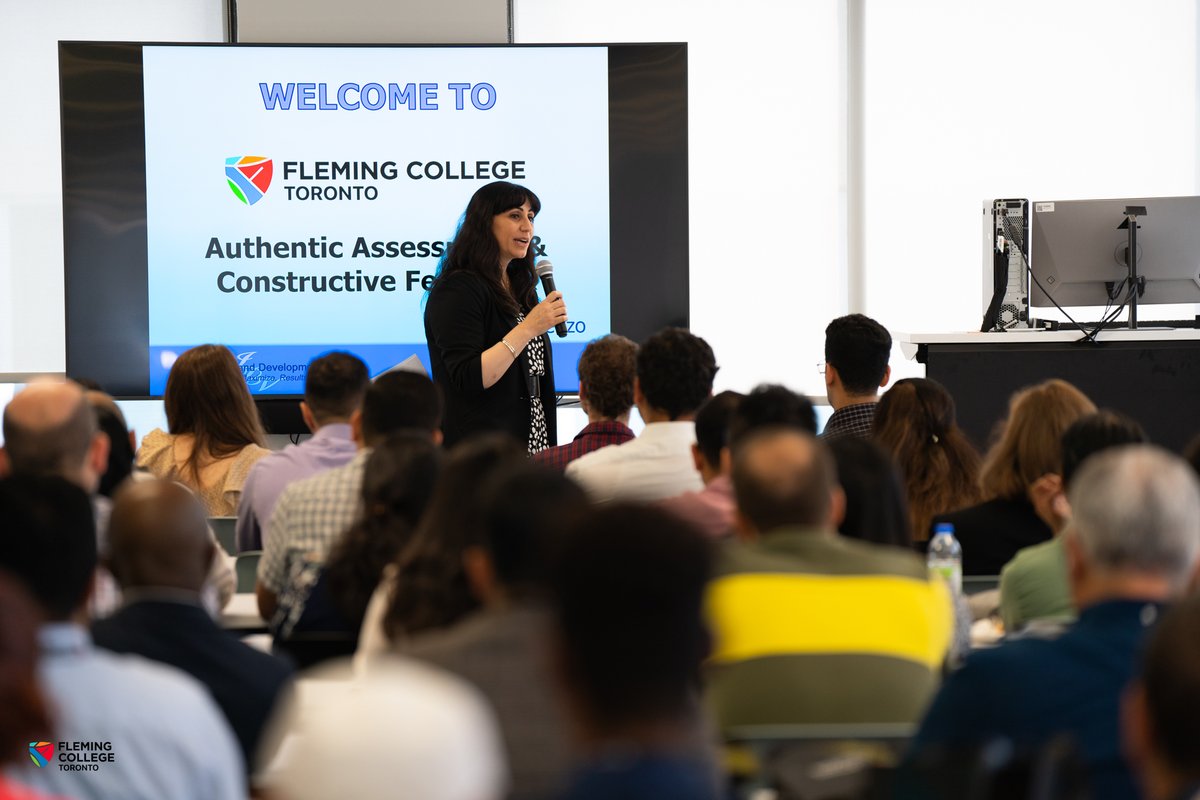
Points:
[821,367]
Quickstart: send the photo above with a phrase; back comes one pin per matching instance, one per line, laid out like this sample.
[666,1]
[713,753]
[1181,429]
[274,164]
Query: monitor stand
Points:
[1136,286]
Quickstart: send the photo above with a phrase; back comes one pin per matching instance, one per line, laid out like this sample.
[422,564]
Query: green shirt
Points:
[1033,586]
[814,628]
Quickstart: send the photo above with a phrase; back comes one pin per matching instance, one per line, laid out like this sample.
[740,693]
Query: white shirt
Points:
[656,465]
[161,733]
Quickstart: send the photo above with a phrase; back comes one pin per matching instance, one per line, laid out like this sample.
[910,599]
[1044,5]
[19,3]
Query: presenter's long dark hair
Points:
[475,249]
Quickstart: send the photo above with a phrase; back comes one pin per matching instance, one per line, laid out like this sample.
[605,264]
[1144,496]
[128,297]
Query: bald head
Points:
[158,536]
[784,477]
[50,430]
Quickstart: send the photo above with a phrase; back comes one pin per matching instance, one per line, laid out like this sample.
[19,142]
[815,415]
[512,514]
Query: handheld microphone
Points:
[545,271]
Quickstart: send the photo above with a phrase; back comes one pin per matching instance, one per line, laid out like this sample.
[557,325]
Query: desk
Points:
[1153,376]
[241,615]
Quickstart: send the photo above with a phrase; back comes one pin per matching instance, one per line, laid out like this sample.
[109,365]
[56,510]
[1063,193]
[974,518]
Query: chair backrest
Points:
[224,527]
[814,761]
[247,570]
[974,584]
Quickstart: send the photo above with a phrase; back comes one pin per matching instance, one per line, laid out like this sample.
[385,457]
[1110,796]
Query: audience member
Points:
[915,423]
[214,435]
[426,588]
[795,606]
[404,732]
[160,551]
[993,531]
[711,509]
[25,722]
[876,506]
[50,429]
[629,641]
[856,367]
[771,405]
[1033,586]
[121,441]
[876,511]
[398,483]
[1132,545]
[313,513]
[606,372]
[675,371]
[502,648]
[165,736]
[334,386]
[1161,732]
[1191,454]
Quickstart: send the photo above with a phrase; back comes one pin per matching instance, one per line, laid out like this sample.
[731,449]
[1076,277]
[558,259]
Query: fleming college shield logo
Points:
[41,753]
[249,177]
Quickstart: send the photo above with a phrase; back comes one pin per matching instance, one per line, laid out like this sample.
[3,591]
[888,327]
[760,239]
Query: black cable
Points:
[1009,231]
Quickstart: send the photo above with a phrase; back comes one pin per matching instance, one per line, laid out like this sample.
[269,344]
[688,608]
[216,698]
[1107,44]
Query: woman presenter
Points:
[485,327]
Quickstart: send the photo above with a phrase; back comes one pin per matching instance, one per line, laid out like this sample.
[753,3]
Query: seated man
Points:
[159,551]
[148,730]
[406,731]
[606,372]
[675,371]
[711,509]
[1132,545]
[311,514]
[857,349]
[811,627]
[720,423]
[1160,727]
[333,390]
[50,429]
[628,640]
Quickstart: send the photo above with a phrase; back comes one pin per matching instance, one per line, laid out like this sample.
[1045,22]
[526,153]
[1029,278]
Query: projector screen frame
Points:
[104,202]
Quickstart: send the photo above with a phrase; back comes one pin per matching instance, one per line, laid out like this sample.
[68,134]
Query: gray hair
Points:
[1138,508]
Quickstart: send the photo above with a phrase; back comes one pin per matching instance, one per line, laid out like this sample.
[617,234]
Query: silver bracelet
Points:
[510,348]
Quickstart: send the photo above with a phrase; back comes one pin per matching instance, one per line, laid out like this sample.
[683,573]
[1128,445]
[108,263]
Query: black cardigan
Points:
[461,321]
[991,533]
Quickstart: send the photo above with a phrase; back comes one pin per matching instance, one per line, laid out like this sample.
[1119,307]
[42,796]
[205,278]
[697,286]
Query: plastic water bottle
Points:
[945,556]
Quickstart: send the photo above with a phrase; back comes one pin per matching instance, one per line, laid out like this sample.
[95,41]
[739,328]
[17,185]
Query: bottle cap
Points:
[944,527]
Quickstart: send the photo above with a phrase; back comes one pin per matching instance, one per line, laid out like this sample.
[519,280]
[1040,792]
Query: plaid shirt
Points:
[594,436]
[309,517]
[852,420]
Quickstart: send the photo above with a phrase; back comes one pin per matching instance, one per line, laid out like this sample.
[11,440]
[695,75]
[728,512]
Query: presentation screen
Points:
[290,200]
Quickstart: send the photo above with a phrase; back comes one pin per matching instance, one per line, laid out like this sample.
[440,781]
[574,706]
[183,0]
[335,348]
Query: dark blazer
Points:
[991,533]
[244,682]
[461,321]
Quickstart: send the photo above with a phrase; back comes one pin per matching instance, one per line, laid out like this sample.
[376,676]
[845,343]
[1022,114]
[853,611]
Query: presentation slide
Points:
[298,199]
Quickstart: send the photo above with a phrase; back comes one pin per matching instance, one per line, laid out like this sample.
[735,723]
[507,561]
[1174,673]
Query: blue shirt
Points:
[1034,689]
[643,776]
[166,736]
[331,446]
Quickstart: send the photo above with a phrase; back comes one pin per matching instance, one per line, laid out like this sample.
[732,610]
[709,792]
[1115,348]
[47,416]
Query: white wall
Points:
[966,101]
[765,178]
[31,266]
[963,100]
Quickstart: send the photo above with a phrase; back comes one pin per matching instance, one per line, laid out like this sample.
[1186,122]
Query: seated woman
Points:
[425,588]
[992,532]
[915,423]
[215,435]
[877,511]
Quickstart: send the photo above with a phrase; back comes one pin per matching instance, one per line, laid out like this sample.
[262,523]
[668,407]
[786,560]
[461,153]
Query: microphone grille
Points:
[543,268]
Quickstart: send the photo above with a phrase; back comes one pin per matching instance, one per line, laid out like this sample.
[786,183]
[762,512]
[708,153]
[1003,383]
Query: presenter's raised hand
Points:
[546,314]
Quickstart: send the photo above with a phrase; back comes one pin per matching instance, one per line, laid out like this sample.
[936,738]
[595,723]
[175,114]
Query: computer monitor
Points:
[1078,251]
